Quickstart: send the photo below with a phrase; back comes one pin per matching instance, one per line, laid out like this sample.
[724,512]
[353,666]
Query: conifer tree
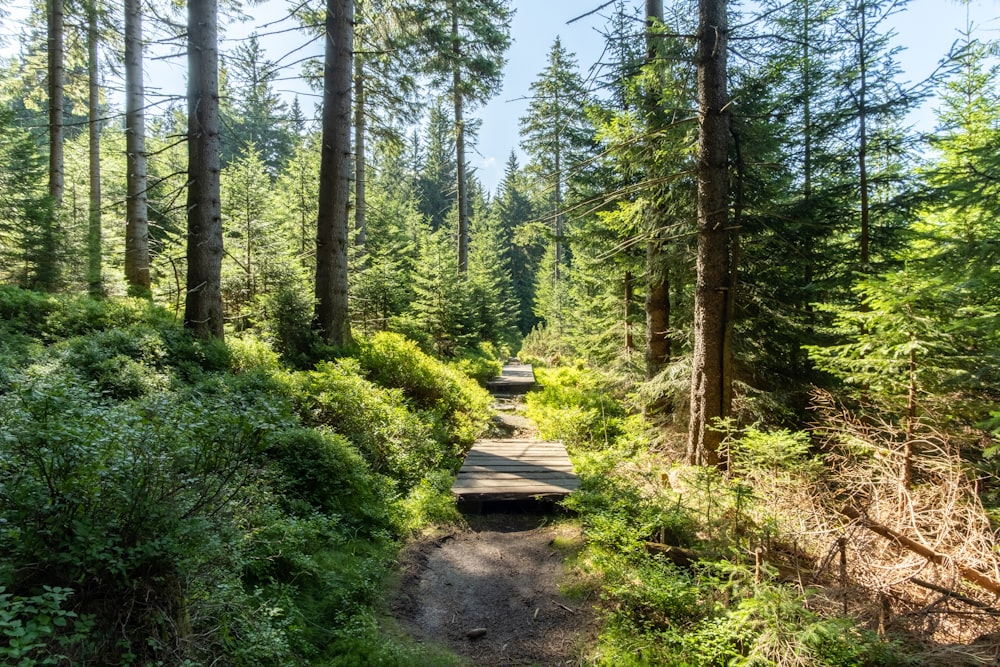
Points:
[437,170]
[137,256]
[710,375]
[465,42]
[203,303]
[513,210]
[332,319]
[558,137]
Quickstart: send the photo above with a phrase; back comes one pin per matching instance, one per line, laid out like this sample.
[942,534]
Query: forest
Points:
[245,334]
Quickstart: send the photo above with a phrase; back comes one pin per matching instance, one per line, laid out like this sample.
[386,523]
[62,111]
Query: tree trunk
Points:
[94,285]
[629,295]
[460,167]
[203,306]
[709,377]
[657,304]
[865,235]
[57,76]
[136,215]
[360,194]
[332,315]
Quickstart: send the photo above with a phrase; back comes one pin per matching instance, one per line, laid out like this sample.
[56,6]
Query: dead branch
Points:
[968,573]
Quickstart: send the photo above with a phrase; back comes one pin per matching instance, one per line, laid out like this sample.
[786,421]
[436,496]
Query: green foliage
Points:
[124,502]
[430,502]
[288,323]
[320,471]
[32,626]
[393,361]
[574,406]
[393,439]
[480,364]
[774,451]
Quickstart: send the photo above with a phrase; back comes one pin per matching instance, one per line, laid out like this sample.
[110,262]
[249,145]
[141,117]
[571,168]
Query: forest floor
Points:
[495,589]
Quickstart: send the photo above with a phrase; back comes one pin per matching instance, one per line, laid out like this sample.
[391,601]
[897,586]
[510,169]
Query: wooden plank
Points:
[515,469]
[513,379]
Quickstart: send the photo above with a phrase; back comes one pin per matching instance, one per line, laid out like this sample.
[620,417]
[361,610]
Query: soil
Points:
[491,592]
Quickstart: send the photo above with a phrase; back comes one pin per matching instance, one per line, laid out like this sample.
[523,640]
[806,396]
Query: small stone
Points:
[475,633]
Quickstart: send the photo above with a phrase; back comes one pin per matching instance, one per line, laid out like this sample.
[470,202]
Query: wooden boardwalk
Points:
[515,379]
[514,469]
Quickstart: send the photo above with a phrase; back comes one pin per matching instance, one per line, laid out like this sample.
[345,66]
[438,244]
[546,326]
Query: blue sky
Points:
[926,30]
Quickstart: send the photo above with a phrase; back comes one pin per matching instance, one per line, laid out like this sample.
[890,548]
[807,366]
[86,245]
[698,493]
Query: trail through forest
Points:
[492,591]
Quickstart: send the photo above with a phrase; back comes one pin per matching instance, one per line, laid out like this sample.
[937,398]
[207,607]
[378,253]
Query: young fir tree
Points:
[24,208]
[441,295]
[436,170]
[558,138]
[465,43]
[250,250]
[513,210]
[296,192]
[254,112]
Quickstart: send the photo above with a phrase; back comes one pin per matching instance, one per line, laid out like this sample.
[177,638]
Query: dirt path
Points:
[491,592]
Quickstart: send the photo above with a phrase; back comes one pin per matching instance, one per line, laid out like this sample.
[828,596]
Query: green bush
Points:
[393,440]
[575,406]
[287,322]
[249,353]
[121,363]
[393,361]
[124,503]
[481,364]
[38,629]
[430,502]
[26,311]
[323,471]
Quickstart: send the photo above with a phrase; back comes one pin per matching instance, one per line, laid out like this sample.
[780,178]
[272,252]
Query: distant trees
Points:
[465,43]
[558,138]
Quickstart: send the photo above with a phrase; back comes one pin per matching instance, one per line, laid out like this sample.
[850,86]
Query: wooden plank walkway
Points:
[515,379]
[514,469]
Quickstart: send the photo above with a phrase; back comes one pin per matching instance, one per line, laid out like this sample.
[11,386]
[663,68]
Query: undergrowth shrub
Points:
[460,404]
[681,573]
[393,439]
[124,503]
[481,363]
[287,323]
[321,471]
[574,405]
[430,502]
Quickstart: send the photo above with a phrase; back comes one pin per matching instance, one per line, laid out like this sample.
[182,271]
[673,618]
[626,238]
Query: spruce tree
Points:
[465,43]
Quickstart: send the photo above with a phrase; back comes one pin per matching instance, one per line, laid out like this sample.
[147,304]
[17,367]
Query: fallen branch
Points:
[956,596]
[973,575]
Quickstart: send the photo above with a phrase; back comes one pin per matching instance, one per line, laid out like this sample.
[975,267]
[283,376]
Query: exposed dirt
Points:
[491,592]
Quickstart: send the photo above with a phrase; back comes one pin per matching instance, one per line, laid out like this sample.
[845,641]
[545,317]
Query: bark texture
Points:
[710,377]
[57,78]
[657,304]
[203,305]
[136,215]
[460,165]
[94,232]
[333,219]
